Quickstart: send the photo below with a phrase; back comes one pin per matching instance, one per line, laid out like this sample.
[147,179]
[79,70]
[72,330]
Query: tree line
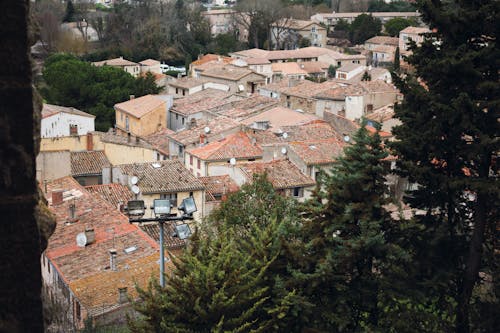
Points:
[341,262]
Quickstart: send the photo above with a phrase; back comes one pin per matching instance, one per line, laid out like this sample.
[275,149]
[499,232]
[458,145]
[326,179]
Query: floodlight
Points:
[161,206]
[188,206]
[182,231]
[136,208]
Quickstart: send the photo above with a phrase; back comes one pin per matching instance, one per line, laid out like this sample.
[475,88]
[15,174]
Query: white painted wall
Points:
[58,125]
[354,107]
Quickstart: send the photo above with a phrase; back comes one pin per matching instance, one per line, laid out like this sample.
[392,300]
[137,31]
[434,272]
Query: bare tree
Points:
[256,17]
[48,16]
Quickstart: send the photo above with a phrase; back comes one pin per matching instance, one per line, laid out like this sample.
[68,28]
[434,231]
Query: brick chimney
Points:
[112,259]
[57,197]
[202,138]
[90,141]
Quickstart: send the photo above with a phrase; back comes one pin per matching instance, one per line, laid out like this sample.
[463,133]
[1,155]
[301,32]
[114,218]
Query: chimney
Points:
[72,211]
[90,235]
[132,97]
[57,197]
[202,139]
[90,141]
[122,295]
[121,207]
[112,259]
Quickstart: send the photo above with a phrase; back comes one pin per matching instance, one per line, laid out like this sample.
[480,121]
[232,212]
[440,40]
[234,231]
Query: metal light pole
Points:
[161,207]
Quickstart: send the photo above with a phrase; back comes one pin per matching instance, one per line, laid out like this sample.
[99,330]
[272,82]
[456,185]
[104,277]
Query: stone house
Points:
[94,260]
[141,116]
[130,67]
[65,121]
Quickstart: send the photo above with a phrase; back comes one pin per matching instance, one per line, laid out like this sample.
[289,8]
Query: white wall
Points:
[58,125]
[354,107]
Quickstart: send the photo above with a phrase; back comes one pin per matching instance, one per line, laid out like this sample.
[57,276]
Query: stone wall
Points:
[22,240]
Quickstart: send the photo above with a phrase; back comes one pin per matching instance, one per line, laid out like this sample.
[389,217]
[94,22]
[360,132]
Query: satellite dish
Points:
[232,161]
[207,130]
[283,151]
[134,180]
[285,135]
[135,189]
[81,239]
[347,138]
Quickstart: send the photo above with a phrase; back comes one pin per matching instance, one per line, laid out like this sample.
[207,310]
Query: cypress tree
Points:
[447,145]
[350,247]
[396,60]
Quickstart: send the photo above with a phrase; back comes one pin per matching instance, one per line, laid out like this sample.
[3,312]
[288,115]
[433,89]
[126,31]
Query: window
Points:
[190,159]
[157,156]
[313,29]
[183,120]
[126,123]
[298,192]
[176,117]
[199,164]
[170,196]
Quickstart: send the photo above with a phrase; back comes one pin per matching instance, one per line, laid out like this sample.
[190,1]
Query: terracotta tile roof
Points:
[340,124]
[312,67]
[112,193]
[133,141]
[281,173]
[383,40]
[85,163]
[381,114]
[310,52]
[120,62]
[252,53]
[288,68]
[86,269]
[237,145]
[384,49]
[170,242]
[187,82]
[217,186]
[249,106]
[140,106]
[308,88]
[280,116]
[318,152]
[314,130]
[217,126]
[159,140]
[349,67]
[205,100]
[415,30]
[162,177]
[257,61]
[209,57]
[149,62]
[366,87]
[49,110]
[228,72]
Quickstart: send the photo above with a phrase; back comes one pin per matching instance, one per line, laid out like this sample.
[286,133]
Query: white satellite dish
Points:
[285,135]
[135,189]
[207,130]
[134,180]
[232,161]
[81,239]
[347,138]
[283,151]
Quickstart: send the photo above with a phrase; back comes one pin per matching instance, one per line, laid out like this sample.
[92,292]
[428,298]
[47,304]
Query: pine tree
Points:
[233,277]
[447,144]
[349,247]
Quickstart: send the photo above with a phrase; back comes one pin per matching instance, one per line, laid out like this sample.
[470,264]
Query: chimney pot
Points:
[90,141]
[57,197]
[112,259]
